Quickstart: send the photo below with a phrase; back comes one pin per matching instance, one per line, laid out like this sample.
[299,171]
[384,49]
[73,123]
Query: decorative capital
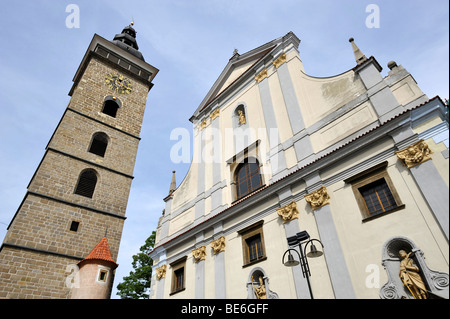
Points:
[415,154]
[199,254]
[318,198]
[288,212]
[218,245]
[202,125]
[281,59]
[261,76]
[161,272]
[215,114]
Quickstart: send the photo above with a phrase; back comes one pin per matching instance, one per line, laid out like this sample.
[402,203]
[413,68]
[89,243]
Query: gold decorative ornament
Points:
[218,245]
[281,59]
[415,154]
[410,276]
[242,119]
[260,291]
[318,198]
[261,76]
[161,272]
[215,114]
[288,212]
[199,254]
[202,125]
[118,83]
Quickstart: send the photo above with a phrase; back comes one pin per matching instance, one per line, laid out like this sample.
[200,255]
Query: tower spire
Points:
[173,183]
[359,56]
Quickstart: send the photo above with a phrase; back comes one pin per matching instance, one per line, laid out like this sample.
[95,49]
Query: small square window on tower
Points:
[74,225]
[102,275]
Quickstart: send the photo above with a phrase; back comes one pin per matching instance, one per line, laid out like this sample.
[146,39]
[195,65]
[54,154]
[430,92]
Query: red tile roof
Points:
[101,252]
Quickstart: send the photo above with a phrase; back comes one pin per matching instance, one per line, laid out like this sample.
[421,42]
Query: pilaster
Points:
[417,158]
[276,154]
[289,215]
[319,201]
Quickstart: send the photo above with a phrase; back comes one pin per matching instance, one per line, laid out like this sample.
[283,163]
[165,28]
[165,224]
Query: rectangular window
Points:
[253,249]
[377,197]
[103,274]
[178,275]
[254,246]
[74,226]
[179,279]
[375,192]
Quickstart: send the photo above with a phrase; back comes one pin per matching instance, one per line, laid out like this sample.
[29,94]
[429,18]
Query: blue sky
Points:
[190,41]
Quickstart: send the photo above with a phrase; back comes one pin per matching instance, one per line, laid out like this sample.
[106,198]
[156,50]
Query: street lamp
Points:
[298,239]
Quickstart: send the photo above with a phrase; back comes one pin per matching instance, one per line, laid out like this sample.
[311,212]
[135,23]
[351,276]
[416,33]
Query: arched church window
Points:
[86,183]
[99,143]
[248,177]
[111,105]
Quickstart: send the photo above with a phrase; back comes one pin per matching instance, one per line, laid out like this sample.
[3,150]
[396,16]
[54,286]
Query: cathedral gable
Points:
[237,67]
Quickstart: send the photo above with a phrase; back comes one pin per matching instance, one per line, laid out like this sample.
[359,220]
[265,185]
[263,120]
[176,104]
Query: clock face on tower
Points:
[118,83]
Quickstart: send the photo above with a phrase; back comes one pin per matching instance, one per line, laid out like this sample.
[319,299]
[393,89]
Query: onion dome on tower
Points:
[127,41]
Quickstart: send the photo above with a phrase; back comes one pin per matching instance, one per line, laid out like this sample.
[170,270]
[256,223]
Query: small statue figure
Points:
[409,274]
[261,290]
[242,119]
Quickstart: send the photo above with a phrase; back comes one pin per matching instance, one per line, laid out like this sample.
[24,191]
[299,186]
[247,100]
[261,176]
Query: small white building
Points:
[356,161]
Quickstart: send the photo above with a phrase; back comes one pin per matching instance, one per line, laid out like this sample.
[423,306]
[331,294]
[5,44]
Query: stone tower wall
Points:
[26,274]
[40,249]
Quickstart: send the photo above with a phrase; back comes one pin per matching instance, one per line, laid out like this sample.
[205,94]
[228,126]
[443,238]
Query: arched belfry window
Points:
[99,143]
[86,183]
[111,105]
[248,177]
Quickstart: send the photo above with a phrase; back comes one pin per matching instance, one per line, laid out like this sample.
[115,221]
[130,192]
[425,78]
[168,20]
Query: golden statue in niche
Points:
[242,119]
[409,274]
[260,291]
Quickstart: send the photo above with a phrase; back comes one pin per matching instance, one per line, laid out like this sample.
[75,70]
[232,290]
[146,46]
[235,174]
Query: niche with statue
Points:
[258,285]
[408,274]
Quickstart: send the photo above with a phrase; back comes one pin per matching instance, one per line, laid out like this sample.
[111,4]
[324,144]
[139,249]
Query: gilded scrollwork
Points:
[318,198]
[415,154]
[261,76]
[215,114]
[288,212]
[278,62]
[218,245]
[199,254]
[161,272]
[202,125]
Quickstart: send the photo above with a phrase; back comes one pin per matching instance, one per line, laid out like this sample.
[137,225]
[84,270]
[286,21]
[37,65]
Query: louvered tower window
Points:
[86,183]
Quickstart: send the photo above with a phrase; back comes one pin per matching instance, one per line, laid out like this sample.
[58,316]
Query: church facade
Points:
[351,169]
